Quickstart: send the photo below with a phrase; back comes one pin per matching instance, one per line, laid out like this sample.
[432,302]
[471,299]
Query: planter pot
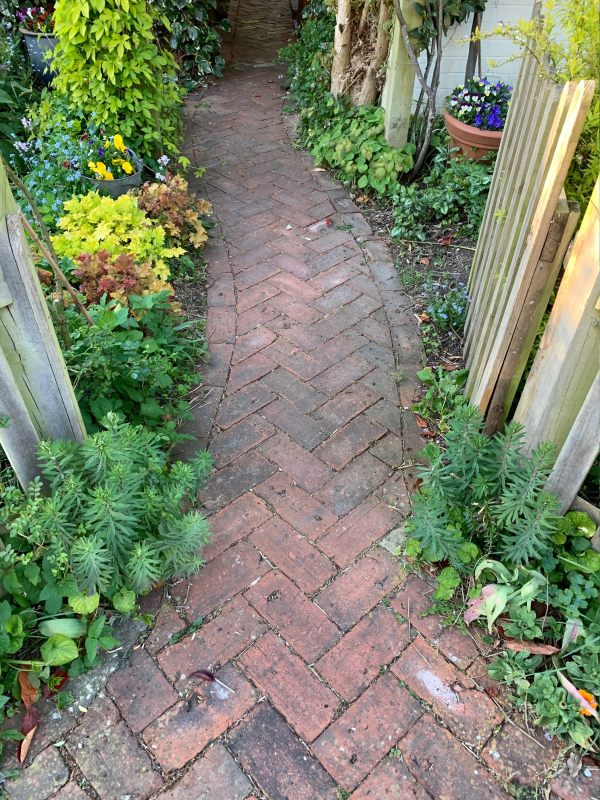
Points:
[120,186]
[473,142]
[38,45]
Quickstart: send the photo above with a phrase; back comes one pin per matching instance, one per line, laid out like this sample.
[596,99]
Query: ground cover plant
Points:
[483,513]
[112,525]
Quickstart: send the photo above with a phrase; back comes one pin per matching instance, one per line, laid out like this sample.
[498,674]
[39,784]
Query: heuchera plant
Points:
[481,103]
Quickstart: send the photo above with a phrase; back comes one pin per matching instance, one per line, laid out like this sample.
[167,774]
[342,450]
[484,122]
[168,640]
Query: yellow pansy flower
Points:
[127,168]
[119,143]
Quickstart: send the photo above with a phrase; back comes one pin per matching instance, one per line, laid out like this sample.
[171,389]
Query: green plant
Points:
[191,29]
[354,146]
[453,193]
[443,396]
[481,103]
[111,71]
[447,309]
[172,206]
[119,278]
[484,490]
[16,92]
[138,361]
[93,223]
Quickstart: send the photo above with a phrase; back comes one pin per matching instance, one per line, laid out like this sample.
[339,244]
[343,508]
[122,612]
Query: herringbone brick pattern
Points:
[332,679]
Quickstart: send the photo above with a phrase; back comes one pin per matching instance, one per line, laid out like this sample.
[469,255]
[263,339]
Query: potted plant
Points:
[113,167]
[36,25]
[475,115]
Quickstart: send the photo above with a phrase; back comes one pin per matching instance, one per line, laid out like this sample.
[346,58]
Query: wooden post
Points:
[341,46]
[36,394]
[400,81]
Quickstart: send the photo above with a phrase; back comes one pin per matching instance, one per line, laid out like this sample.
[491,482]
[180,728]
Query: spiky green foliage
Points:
[115,509]
[484,490]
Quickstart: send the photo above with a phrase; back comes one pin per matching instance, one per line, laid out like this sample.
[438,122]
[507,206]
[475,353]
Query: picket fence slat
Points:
[566,363]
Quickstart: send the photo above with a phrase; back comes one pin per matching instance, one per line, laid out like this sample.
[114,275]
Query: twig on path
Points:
[438,244]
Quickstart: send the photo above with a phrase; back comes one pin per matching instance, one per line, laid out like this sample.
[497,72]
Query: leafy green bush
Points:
[353,144]
[349,139]
[481,496]
[16,90]
[483,490]
[110,525]
[111,71]
[93,223]
[443,395]
[191,30]
[453,193]
[139,361]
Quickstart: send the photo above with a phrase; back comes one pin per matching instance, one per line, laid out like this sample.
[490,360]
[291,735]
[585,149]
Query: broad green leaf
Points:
[58,650]
[84,603]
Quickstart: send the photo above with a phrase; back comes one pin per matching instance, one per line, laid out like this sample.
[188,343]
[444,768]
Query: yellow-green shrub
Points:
[111,70]
[94,223]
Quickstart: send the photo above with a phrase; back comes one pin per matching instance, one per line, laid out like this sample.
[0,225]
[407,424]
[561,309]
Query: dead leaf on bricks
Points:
[530,647]
[28,692]
[422,423]
[31,720]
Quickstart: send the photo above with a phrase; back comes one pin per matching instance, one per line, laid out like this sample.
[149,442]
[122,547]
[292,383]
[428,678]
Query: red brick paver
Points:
[332,675]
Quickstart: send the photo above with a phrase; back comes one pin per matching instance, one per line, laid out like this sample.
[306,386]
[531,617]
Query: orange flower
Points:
[591,700]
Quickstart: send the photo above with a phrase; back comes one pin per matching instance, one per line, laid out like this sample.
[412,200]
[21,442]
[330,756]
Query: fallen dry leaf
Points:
[530,647]
[445,241]
[423,318]
[30,723]
[425,261]
[422,423]
[28,692]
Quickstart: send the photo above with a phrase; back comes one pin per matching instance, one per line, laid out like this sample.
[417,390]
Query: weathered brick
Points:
[333,277]
[220,324]
[259,293]
[43,777]
[236,479]
[109,756]
[237,440]
[414,601]
[357,658]
[303,365]
[349,442]
[340,296]
[255,317]
[445,768]
[289,419]
[303,468]
[299,393]
[235,522]
[340,375]
[297,288]
[216,369]
[257,273]
[251,241]
[520,758]
[299,335]
[185,729]
[250,343]
[215,643]
[387,414]
[375,331]
[333,257]
[390,450]
[71,791]
[585,786]
[390,780]
[366,731]
[166,623]
[292,688]
[295,309]
[214,776]
[129,686]
[353,484]
[360,588]
[277,760]
[248,371]
[235,407]
[298,620]
[295,555]
[468,712]
[369,521]
[298,508]
[221,292]
[335,349]
[224,577]
[346,405]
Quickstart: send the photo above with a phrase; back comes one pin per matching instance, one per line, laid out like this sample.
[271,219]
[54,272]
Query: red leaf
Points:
[60,677]
[205,674]
[530,647]
[445,241]
[417,484]
[31,720]
[28,692]
[425,261]
[422,423]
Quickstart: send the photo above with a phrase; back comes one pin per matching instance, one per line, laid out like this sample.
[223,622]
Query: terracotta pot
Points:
[473,142]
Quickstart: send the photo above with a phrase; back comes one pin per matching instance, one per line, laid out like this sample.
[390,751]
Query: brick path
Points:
[333,682]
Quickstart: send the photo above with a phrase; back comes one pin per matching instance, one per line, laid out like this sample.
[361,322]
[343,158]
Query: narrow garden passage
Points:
[331,681]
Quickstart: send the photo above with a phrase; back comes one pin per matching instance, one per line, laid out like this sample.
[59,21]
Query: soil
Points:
[428,268]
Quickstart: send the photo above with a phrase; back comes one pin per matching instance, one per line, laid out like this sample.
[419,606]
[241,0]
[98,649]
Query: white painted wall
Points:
[497,49]
[455,51]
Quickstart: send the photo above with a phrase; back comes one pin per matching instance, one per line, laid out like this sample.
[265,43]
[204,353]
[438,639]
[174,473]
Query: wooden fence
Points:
[36,396]
[526,232]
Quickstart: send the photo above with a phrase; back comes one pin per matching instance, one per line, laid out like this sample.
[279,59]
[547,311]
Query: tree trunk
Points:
[341,46]
[474,56]
[370,87]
